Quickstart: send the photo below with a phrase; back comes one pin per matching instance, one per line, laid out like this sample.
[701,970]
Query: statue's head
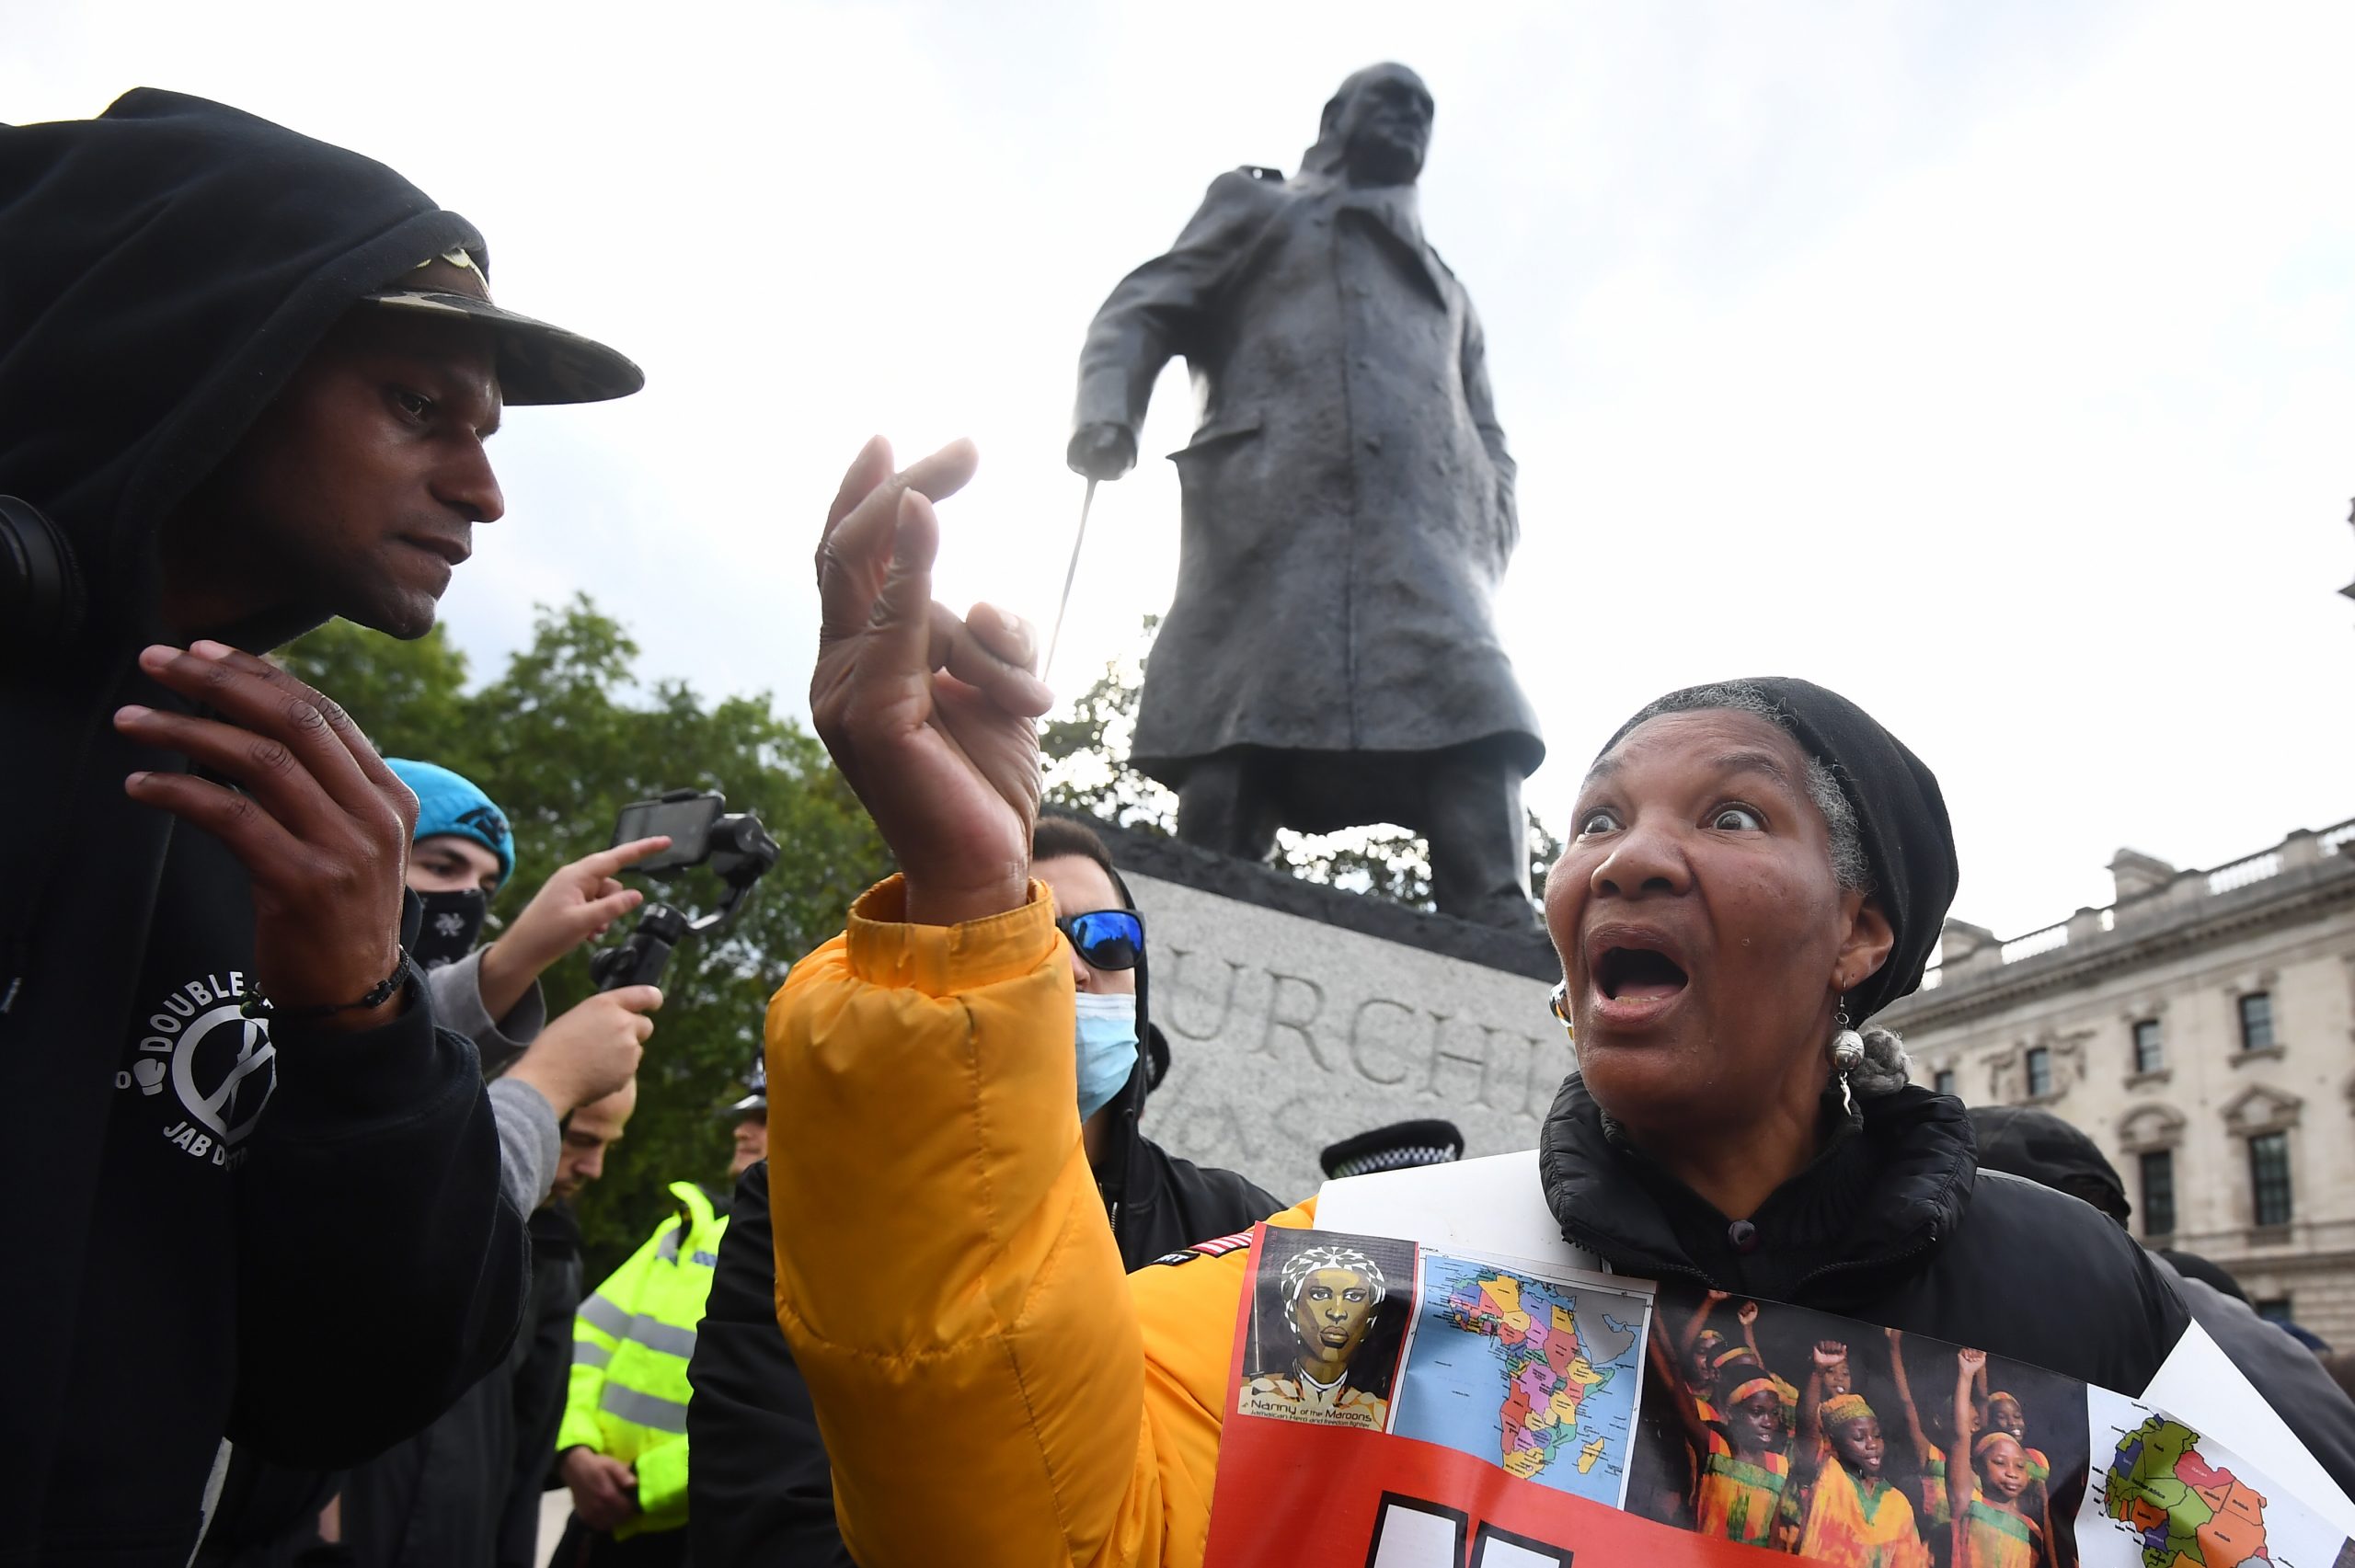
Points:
[1377,127]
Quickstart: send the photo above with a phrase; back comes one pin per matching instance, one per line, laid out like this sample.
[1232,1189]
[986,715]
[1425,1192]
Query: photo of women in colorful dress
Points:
[1327,1320]
[1795,1431]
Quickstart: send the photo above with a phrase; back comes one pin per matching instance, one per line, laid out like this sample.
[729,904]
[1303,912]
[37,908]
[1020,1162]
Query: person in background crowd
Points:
[439,1499]
[762,1489]
[541,1363]
[622,1448]
[2031,1142]
[541,1072]
[245,381]
[1400,1146]
[587,1138]
[750,1116]
[1757,867]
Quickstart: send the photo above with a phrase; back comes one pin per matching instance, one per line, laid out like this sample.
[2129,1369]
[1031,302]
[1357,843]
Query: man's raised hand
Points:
[320,824]
[573,906]
[929,716]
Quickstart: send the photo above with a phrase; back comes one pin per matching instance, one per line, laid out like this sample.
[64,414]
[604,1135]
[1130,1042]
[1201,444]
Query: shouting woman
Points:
[1757,867]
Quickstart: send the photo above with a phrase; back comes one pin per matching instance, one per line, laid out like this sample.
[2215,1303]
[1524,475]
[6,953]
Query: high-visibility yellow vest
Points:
[628,1391]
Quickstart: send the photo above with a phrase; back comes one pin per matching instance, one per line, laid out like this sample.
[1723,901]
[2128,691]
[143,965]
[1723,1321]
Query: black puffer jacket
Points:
[1893,1224]
[759,1490]
[2043,1148]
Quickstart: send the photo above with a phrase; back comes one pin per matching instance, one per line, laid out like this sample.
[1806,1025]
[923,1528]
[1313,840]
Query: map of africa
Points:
[2184,1512]
[1537,1376]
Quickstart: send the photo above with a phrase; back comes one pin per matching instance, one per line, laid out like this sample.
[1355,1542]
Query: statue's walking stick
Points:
[1070,573]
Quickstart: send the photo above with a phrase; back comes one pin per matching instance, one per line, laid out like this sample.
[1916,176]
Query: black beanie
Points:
[1901,817]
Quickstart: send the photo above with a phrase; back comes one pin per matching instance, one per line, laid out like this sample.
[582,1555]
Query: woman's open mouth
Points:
[1634,985]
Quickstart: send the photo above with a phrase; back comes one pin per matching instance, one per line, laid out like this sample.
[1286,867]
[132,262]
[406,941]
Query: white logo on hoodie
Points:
[221,1064]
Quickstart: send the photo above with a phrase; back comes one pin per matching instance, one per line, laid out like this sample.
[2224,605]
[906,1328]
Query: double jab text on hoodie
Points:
[217,1227]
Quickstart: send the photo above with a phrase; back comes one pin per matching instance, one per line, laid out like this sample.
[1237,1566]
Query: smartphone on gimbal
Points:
[686,815]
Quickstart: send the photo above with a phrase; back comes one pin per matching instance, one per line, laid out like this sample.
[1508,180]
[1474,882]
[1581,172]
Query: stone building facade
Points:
[2201,1029]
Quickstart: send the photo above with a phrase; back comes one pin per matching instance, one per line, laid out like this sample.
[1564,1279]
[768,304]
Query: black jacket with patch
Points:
[759,1488]
[281,1234]
[1894,1224]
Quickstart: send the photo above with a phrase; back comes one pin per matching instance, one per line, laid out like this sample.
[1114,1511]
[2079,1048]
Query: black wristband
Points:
[260,1006]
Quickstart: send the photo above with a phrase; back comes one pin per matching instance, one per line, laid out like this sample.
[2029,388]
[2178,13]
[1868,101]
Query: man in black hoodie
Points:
[759,1491]
[252,1192]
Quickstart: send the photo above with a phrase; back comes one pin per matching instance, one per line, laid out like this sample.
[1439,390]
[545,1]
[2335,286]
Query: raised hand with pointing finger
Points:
[930,717]
[575,905]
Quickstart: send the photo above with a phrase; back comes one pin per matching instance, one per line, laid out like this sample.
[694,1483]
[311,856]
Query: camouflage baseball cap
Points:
[538,364]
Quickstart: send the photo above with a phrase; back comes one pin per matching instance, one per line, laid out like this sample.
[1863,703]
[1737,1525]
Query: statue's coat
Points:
[1349,499]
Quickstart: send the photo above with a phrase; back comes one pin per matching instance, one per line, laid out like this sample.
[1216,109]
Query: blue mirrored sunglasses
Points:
[1107,939]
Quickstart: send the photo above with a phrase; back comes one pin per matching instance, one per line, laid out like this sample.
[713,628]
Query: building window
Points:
[2256,1021]
[1943,1081]
[2150,1052]
[2158,1192]
[2269,1177]
[2275,1310]
[2040,1071]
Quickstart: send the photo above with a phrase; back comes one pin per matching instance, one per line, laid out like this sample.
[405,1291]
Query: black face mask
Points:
[452,922]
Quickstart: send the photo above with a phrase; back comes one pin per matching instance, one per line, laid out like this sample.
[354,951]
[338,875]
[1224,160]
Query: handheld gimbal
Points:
[739,849]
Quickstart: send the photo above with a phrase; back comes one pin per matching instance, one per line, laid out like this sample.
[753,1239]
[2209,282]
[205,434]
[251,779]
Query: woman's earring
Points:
[1847,1054]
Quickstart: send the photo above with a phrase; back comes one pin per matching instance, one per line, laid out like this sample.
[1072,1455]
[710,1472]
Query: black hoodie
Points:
[287,1235]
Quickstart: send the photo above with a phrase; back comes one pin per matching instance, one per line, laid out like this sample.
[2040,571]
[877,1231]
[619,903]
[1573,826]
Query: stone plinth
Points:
[1298,1014]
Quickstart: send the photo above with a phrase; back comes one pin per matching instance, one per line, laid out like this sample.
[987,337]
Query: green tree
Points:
[1087,754]
[1088,772]
[561,741]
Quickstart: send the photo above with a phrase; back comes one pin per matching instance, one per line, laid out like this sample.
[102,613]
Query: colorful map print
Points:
[1534,1375]
[2187,1513]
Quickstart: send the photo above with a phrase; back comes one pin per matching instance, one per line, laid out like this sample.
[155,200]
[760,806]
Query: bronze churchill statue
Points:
[1329,657]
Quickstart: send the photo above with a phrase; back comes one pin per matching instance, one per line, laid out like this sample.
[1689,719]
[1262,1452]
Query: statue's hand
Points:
[928,716]
[1102,450]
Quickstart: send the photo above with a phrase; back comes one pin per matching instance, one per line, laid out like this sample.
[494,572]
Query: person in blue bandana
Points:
[461,855]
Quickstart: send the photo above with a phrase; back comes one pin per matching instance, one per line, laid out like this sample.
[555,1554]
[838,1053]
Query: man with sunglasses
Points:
[759,1490]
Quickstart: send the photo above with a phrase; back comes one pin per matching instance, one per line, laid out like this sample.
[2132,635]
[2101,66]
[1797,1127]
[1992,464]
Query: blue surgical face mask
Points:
[1107,1047]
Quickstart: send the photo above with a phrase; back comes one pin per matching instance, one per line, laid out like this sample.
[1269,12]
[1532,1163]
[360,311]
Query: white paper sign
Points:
[1482,1206]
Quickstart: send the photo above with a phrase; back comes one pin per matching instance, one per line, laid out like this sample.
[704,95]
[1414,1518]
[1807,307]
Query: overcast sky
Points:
[1988,362]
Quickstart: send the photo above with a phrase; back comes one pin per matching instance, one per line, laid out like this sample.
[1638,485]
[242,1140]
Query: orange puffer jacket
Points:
[986,1378]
